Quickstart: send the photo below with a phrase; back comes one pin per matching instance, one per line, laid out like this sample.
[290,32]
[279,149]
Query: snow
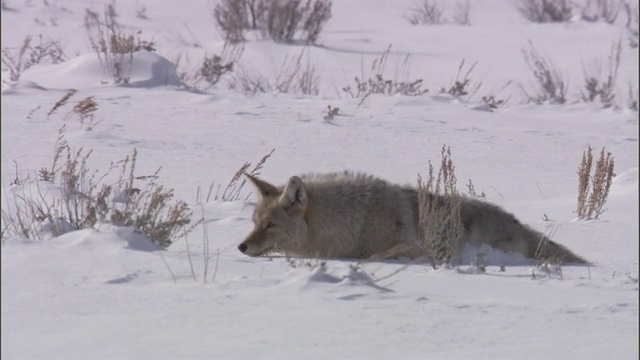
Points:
[109,293]
[145,70]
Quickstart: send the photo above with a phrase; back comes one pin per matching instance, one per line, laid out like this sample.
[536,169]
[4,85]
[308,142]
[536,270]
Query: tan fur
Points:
[354,215]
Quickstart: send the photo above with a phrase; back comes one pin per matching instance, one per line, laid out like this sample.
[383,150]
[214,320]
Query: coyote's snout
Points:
[278,218]
[354,215]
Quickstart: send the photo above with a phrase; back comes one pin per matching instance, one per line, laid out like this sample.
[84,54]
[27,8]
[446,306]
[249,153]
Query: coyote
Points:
[359,216]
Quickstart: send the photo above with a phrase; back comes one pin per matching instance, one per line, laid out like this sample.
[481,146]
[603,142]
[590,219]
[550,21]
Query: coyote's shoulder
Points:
[357,215]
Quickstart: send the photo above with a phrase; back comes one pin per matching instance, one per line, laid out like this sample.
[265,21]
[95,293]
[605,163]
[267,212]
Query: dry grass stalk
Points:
[593,191]
[375,83]
[603,89]
[552,86]
[462,87]
[439,219]
[63,100]
[633,98]
[85,110]
[234,187]
[584,178]
[544,258]
[29,54]
[59,148]
[493,101]
[295,76]
[113,47]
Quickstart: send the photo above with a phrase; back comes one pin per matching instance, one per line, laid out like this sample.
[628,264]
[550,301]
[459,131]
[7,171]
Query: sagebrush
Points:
[69,195]
[279,20]
[426,12]
[542,11]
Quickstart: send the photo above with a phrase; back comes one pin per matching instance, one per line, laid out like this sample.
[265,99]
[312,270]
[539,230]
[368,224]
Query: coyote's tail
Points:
[546,249]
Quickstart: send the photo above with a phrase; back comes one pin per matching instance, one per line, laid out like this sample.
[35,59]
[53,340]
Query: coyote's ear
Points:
[294,197]
[264,188]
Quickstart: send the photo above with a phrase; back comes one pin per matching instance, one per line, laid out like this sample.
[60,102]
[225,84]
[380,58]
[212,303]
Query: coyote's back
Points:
[355,215]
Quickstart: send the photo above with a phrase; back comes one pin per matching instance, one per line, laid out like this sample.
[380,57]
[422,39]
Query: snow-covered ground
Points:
[108,293]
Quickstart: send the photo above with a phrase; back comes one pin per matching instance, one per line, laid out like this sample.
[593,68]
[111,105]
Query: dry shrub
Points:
[85,111]
[493,101]
[231,18]
[330,113]
[426,12]
[375,82]
[86,198]
[316,17]
[296,75]
[46,50]
[429,12]
[256,10]
[214,67]
[605,10]
[60,146]
[461,13]
[594,190]
[283,19]
[232,191]
[280,20]
[632,23]
[597,87]
[551,85]
[543,11]
[113,46]
[463,87]
[439,220]
[249,81]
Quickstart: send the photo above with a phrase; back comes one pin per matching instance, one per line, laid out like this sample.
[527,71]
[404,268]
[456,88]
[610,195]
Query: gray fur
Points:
[355,215]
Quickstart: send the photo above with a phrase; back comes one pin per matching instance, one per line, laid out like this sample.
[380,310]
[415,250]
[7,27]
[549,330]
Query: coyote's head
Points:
[278,218]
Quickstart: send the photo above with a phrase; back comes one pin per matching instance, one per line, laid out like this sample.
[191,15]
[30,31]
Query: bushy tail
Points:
[547,250]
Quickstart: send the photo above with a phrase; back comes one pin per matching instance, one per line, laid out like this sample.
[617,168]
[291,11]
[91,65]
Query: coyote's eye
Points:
[270,225]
